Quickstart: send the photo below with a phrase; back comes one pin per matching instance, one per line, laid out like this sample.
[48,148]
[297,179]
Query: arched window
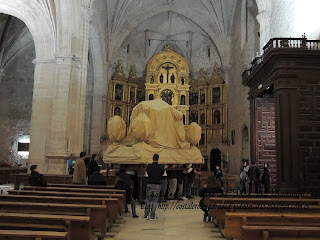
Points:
[209,52]
[132,94]
[183,100]
[216,117]
[203,98]
[203,118]
[151,97]
[184,119]
[203,139]
[215,95]
[117,111]
[118,92]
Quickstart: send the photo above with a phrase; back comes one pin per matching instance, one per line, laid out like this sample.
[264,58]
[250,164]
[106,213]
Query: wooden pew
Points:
[121,193]
[6,171]
[32,235]
[119,204]
[235,220]
[23,178]
[111,203]
[97,213]
[220,210]
[80,186]
[78,227]
[280,232]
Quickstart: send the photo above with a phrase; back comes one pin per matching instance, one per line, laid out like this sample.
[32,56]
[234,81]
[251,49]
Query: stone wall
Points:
[16,89]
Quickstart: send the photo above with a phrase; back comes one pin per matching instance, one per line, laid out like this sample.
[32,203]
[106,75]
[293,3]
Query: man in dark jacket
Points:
[96,178]
[36,179]
[92,164]
[155,172]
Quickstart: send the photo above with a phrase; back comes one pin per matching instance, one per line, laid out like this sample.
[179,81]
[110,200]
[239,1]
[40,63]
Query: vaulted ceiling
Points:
[166,19]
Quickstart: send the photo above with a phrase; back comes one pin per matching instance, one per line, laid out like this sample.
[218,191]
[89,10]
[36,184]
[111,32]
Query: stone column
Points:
[286,129]
[41,117]
[65,126]
[264,21]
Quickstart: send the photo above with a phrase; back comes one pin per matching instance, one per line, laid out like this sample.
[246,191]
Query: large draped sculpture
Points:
[155,127]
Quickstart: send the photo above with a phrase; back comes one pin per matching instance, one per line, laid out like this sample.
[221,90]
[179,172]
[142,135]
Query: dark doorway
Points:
[215,158]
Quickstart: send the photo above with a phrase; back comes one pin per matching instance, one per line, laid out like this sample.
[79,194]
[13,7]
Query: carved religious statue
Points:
[119,68]
[132,73]
[202,75]
[215,68]
[166,96]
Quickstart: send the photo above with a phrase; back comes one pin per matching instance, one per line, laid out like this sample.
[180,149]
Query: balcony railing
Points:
[282,43]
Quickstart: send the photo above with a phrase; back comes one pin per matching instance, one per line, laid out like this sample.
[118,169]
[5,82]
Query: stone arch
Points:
[38,23]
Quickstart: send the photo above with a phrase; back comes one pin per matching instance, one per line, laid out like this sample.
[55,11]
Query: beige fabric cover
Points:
[194,133]
[155,127]
[116,129]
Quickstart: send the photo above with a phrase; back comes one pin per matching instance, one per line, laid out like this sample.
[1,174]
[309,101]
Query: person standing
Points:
[266,178]
[255,177]
[180,180]
[92,164]
[79,175]
[244,177]
[71,163]
[219,175]
[123,183]
[172,180]
[96,178]
[212,186]
[164,184]
[36,179]
[155,172]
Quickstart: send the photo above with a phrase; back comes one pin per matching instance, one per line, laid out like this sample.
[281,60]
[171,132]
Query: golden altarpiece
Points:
[167,77]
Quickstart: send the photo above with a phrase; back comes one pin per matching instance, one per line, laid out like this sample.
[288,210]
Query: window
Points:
[203,118]
[183,100]
[151,97]
[215,95]
[216,117]
[118,92]
[209,52]
[202,140]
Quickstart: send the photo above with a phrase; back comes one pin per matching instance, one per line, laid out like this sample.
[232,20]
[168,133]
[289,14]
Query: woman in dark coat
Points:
[212,186]
[266,178]
[92,164]
[123,183]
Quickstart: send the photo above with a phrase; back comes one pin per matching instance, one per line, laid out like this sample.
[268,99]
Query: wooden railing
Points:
[282,43]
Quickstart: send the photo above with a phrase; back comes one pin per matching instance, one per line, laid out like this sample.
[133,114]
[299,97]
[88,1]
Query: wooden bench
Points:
[235,220]
[121,193]
[119,203]
[111,203]
[78,227]
[23,178]
[31,235]
[6,171]
[220,210]
[80,186]
[97,213]
[279,232]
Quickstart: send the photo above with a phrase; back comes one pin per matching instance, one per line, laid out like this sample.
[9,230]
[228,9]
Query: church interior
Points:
[244,73]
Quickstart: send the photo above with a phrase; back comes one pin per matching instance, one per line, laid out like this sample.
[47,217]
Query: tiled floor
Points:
[172,223]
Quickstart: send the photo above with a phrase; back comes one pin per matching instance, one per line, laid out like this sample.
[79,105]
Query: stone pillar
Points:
[41,117]
[66,127]
[286,130]
[264,21]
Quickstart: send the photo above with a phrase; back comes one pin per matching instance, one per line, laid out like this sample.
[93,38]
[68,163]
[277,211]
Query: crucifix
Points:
[167,68]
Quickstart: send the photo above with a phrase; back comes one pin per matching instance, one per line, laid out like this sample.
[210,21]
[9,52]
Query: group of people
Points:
[86,170]
[251,175]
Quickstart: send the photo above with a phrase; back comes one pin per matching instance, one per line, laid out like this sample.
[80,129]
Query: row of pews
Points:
[268,216]
[59,211]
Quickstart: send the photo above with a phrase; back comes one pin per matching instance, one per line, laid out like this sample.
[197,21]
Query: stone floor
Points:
[172,223]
